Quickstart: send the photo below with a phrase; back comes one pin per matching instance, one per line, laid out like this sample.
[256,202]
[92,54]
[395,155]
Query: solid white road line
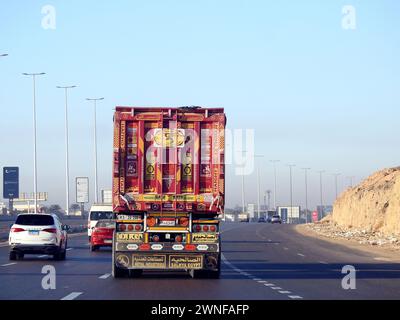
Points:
[3,244]
[382,259]
[301,255]
[276,288]
[323,262]
[8,264]
[295,297]
[69,249]
[72,296]
[269,284]
[43,256]
[262,281]
[105,276]
[284,292]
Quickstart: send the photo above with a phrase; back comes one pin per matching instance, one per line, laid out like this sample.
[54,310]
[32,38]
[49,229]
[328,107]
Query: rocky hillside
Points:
[373,205]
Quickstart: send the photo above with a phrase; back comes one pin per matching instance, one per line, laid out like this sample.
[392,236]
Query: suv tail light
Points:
[50,230]
[17,229]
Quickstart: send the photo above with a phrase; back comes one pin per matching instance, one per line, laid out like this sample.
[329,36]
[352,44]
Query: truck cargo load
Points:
[168,189]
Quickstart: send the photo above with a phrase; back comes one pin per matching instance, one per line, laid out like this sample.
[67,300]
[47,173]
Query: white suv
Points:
[38,234]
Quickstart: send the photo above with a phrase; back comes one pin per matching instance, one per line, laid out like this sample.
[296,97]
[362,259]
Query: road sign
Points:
[10,182]
[82,189]
[315,216]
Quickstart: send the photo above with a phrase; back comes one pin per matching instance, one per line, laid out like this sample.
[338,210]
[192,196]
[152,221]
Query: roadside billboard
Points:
[10,182]
[82,189]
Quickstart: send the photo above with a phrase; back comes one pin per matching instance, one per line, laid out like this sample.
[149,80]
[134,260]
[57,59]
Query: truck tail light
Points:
[213,228]
[190,247]
[155,238]
[205,228]
[144,246]
[151,221]
[122,227]
[50,230]
[130,227]
[138,227]
[184,222]
[197,228]
[17,229]
[178,239]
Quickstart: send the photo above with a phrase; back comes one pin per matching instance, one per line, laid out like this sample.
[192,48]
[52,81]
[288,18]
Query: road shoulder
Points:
[380,253]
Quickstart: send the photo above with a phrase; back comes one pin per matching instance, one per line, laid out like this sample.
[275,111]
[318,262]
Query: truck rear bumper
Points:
[167,260]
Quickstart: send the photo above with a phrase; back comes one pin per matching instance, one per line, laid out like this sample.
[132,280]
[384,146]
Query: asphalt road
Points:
[260,261]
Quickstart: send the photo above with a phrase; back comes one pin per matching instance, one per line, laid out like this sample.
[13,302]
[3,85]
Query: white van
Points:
[99,211]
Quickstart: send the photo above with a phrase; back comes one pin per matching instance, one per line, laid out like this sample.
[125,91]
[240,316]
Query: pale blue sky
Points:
[317,95]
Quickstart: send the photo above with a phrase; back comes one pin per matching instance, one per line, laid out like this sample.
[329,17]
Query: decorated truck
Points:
[168,190]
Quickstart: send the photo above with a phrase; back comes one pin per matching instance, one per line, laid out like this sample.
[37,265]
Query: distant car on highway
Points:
[261,220]
[98,212]
[276,219]
[102,234]
[38,234]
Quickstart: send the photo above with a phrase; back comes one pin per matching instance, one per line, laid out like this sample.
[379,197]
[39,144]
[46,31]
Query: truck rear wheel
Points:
[119,272]
[135,273]
[13,256]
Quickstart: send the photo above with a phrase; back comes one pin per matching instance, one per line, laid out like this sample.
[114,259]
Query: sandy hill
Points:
[373,205]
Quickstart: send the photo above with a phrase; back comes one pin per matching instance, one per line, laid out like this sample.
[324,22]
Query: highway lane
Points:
[261,261]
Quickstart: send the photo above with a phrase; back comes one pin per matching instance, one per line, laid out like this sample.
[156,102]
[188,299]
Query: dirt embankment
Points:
[368,213]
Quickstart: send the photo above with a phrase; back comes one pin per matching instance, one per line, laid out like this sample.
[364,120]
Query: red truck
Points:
[168,190]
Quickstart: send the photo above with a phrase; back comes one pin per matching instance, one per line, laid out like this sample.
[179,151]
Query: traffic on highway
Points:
[199,159]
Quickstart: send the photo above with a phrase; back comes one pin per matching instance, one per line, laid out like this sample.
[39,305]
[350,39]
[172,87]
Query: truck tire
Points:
[20,256]
[119,272]
[13,256]
[135,273]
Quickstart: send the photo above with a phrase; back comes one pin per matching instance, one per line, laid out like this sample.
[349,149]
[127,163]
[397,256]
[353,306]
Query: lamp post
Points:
[258,185]
[306,182]
[320,192]
[336,175]
[66,147]
[291,188]
[95,147]
[274,163]
[34,75]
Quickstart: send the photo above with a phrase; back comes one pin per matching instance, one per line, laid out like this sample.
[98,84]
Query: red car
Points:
[102,234]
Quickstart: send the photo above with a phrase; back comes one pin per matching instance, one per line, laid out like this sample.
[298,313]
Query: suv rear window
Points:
[35,220]
[100,215]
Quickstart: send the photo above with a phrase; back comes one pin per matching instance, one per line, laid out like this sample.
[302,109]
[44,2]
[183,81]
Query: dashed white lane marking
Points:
[72,296]
[269,285]
[3,244]
[256,279]
[301,255]
[323,262]
[284,292]
[105,276]
[286,248]
[8,264]
[69,249]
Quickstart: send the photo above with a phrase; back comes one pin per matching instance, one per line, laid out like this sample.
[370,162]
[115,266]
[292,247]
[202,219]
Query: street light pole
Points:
[95,147]
[291,188]
[320,191]
[274,163]
[306,182]
[336,175]
[351,181]
[4,55]
[66,147]
[258,185]
[33,75]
